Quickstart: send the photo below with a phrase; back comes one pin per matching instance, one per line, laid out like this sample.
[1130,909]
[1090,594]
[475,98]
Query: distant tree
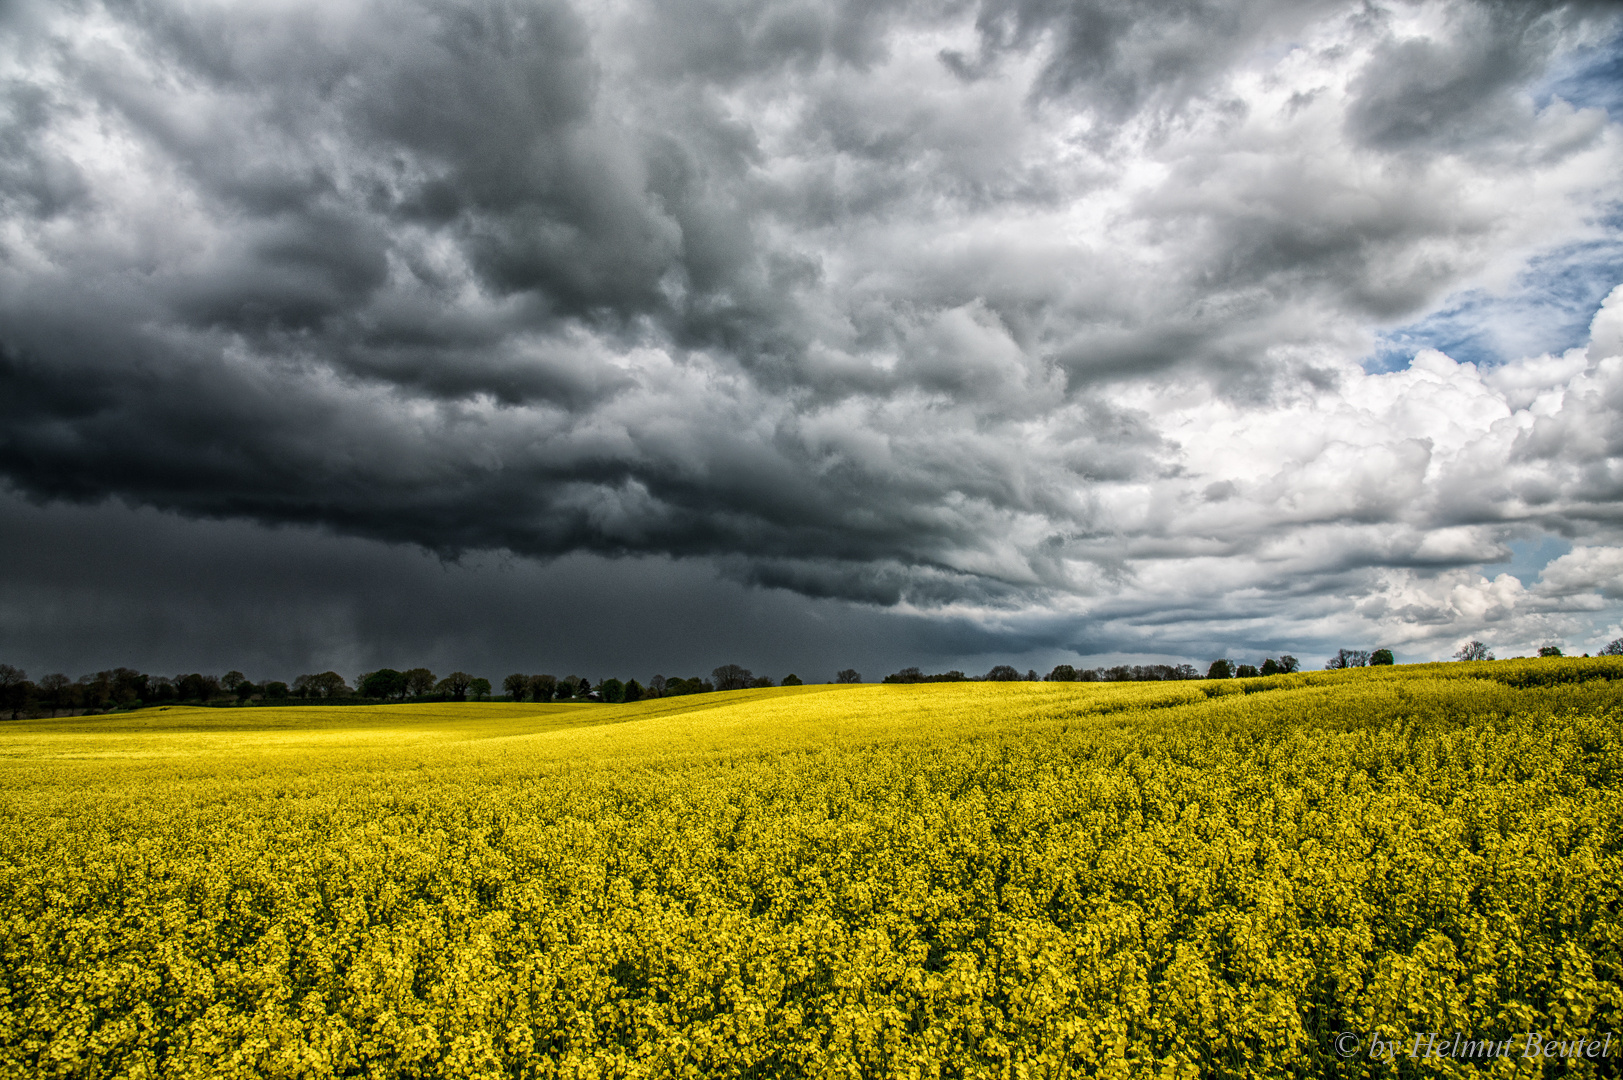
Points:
[1347,658]
[1613,648]
[231,680]
[516,686]
[455,685]
[731,677]
[1549,650]
[245,690]
[480,689]
[543,687]
[382,683]
[906,675]
[1062,673]
[792,679]
[13,689]
[1031,674]
[1270,666]
[849,675]
[327,684]
[54,689]
[1245,671]
[275,691]
[656,687]
[570,687]
[760,682]
[127,685]
[419,681]
[93,691]
[193,687]
[1220,669]
[1288,664]
[1002,673]
[161,688]
[634,690]
[1473,650]
[612,690]
[1381,658]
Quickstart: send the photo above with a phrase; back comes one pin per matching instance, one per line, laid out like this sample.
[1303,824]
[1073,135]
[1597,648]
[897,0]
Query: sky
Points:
[627,338]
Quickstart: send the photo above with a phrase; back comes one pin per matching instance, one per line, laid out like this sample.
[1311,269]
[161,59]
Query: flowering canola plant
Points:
[938,880]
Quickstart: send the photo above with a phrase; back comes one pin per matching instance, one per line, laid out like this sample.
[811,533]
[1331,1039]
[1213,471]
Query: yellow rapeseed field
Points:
[941,880]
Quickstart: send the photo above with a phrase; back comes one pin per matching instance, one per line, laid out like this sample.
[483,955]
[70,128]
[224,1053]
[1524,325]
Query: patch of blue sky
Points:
[1550,307]
[1528,558]
[1589,77]
[1548,310]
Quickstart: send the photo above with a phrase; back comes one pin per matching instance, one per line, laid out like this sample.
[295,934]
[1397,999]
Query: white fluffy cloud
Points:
[1357,510]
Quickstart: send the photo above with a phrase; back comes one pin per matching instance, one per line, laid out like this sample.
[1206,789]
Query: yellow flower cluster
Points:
[941,880]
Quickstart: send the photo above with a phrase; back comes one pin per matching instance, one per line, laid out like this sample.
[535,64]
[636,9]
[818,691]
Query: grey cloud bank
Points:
[1035,329]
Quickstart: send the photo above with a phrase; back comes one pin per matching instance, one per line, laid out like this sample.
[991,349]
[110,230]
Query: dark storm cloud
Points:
[1120,55]
[1462,90]
[904,303]
[86,589]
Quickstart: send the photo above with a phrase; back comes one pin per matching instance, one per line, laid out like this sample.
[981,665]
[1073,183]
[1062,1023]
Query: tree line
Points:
[542,688]
[1061,673]
[1219,669]
[126,688]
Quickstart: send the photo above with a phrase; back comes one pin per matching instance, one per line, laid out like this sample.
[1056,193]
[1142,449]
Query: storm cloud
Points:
[1046,324]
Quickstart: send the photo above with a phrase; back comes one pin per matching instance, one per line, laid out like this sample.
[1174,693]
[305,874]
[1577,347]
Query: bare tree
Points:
[1473,650]
[849,675]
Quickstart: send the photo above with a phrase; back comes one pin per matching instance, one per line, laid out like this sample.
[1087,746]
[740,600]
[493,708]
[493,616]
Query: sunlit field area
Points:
[958,879]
